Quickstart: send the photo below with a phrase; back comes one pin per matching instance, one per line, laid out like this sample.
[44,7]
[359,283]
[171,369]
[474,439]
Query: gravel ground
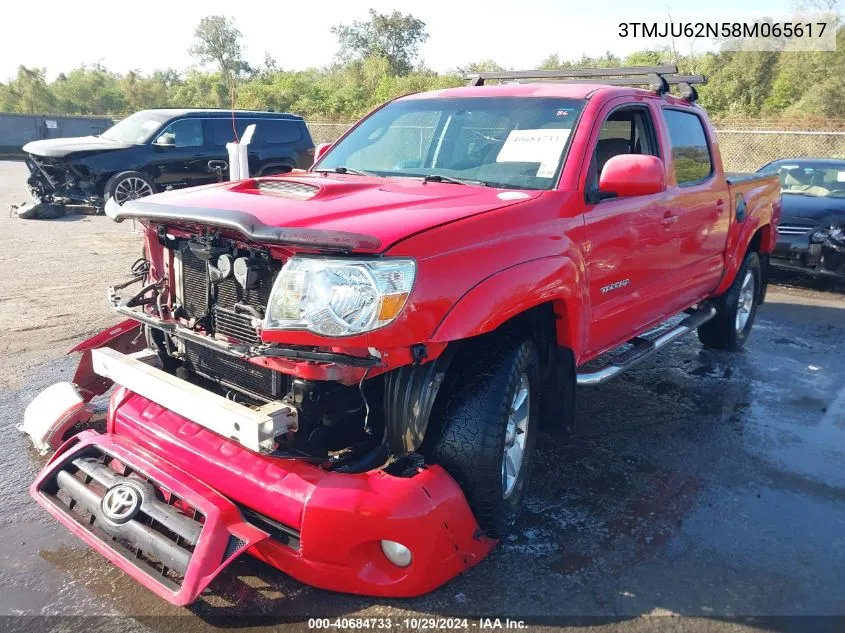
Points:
[702,484]
[53,284]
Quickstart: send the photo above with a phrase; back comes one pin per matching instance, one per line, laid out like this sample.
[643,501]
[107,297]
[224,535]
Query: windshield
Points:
[508,142]
[137,128]
[825,180]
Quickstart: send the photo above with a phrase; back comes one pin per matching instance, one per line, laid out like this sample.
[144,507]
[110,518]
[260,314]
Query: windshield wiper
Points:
[345,170]
[453,181]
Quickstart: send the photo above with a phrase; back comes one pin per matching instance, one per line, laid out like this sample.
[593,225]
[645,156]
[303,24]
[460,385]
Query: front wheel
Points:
[489,427]
[126,186]
[736,309]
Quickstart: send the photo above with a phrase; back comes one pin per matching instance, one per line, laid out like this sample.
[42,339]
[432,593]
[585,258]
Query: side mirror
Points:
[629,175]
[320,151]
[165,140]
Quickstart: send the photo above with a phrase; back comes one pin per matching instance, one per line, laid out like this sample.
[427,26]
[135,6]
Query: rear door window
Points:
[222,131]
[278,131]
[690,150]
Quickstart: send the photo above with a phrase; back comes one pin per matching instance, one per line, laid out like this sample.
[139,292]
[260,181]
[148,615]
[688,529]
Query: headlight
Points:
[339,297]
[820,235]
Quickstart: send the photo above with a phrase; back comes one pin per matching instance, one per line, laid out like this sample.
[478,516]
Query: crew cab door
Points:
[222,131]
[178,155]
[698,205]
[629,254]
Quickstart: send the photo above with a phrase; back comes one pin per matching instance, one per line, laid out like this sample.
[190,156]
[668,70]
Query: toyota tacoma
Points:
[343,371]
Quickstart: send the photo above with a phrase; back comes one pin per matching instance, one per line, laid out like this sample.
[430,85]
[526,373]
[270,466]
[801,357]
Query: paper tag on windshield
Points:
[535,146]
[547,169]
[840,176]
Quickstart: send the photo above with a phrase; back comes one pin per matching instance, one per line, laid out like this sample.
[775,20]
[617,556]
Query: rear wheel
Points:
[128,185]
[489,426]
[736,309]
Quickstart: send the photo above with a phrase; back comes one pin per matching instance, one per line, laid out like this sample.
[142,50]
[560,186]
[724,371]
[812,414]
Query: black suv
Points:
[155,150]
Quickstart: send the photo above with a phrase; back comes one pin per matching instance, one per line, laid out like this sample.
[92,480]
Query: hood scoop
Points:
[287,189]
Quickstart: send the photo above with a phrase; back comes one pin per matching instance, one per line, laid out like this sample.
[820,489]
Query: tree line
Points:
[378,60]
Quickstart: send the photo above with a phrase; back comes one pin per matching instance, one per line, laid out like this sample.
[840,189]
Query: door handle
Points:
[217,167]
[668,220]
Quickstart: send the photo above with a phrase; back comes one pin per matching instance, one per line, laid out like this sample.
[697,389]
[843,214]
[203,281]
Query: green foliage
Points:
[218,41]
[608,60]
[377,64]
[649,58]
[201,90]
[92,90]
[28,92]
[392,36]
[481,66]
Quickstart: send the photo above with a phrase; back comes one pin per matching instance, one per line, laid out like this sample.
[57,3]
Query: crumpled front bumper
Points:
[181,537]
[811,246]
[57,180]
[322,528]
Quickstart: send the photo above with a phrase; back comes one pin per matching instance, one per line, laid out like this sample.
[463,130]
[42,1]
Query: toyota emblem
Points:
[121,503]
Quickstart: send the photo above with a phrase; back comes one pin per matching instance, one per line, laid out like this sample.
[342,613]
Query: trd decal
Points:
[615,286]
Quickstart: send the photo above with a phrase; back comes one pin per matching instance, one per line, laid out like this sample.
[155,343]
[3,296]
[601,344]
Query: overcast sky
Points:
[518,33]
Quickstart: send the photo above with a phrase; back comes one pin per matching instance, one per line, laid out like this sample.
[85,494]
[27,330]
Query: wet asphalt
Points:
[702,483]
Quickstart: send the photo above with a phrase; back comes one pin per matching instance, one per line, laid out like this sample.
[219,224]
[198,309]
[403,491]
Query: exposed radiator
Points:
[235,373]
[226,320]
[238,325]
[194,285]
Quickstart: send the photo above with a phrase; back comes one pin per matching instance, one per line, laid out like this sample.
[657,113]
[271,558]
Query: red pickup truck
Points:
[343,371]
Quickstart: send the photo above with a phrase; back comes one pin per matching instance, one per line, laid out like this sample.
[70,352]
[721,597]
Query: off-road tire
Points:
[473,410]
[113,182]
[722,332]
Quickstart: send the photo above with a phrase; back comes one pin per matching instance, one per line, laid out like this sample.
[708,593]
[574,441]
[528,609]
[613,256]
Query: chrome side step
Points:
[642,347]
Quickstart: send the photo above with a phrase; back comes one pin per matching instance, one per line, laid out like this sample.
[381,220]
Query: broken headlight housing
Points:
[339,297]
[832,233]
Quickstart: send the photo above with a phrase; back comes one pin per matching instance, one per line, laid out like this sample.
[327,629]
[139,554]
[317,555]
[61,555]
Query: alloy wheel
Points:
[130,189]
[515,435]
[745,301]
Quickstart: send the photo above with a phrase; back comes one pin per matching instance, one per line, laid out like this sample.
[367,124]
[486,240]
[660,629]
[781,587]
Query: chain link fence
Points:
[742,149]
[748,150]
[322,132]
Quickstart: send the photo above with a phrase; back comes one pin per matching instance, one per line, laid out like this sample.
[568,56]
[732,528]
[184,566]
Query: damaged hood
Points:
[342,212]
[62,147]
[795,206]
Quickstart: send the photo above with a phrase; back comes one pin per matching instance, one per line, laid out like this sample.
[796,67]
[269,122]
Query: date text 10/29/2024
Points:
[442,624]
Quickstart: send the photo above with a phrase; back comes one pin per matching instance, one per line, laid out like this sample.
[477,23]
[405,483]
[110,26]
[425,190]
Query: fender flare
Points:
[512,291]
[748,231]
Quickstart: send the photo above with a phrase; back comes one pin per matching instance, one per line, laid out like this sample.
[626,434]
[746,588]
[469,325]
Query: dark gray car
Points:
[811,234]
[154,150]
